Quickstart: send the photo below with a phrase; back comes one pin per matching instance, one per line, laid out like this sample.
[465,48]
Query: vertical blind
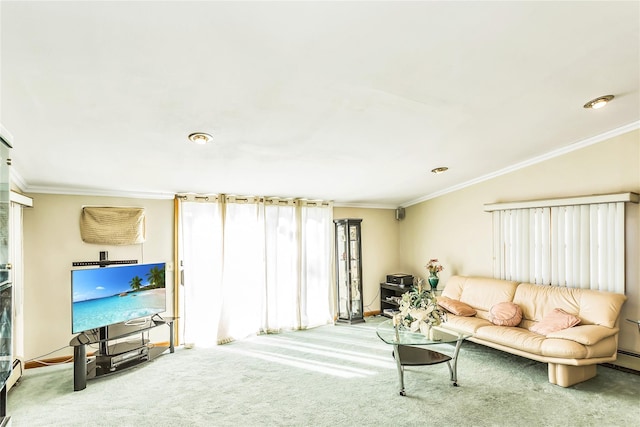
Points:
[574,245]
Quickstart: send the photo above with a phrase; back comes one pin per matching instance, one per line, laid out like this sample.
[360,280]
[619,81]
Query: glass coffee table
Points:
[415,349]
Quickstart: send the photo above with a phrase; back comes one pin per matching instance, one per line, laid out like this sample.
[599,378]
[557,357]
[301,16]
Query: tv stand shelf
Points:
[117,356]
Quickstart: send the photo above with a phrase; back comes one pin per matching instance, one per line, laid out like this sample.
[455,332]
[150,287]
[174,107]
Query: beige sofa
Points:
[571,354]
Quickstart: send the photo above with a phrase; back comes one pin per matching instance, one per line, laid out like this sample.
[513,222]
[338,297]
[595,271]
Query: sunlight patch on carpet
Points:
[311,365]
[326,351]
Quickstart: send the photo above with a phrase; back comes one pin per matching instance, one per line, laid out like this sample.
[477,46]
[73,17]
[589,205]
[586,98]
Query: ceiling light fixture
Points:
[200,138]
[599,102]
[440,170]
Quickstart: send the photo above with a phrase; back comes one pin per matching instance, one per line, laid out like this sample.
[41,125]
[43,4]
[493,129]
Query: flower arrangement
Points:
[419,310]
[433,267]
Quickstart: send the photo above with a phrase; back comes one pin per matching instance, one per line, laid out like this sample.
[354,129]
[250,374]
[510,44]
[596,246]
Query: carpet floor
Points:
[341,375]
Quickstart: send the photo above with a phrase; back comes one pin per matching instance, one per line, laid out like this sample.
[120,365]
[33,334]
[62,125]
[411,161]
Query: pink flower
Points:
[433,266]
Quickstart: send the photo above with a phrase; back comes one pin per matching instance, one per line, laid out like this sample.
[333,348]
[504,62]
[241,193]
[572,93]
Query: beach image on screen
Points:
[104,296]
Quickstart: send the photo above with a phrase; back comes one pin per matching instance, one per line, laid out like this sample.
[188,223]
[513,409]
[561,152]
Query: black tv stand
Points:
[116,356]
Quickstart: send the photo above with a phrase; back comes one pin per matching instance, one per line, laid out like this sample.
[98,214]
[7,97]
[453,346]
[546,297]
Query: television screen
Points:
[108,295]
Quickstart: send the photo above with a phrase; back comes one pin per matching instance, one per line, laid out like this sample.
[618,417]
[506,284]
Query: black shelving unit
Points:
[390,296]
[349,270]
[116,354]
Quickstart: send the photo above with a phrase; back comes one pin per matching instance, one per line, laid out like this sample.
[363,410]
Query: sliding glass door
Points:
[253,265]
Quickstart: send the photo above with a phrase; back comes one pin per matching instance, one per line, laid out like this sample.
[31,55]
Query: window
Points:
[253,264]
[576,242]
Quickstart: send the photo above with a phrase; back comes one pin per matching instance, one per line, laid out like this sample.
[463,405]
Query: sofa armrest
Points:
[585,334]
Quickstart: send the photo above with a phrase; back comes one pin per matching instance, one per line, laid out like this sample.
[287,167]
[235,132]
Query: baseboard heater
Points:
[635,362]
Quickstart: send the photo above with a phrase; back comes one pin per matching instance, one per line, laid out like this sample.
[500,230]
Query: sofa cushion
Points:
[565,349]
[456,307]
[466,324]
[600,308]
[555,321]
[585,334]
[480,293]
[537,301]
[454,287]
[512,337]
[592,307]
[505,314]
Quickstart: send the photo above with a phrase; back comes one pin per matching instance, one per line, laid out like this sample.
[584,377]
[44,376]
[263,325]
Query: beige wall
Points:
[455,228]
[52,242]
[379,249]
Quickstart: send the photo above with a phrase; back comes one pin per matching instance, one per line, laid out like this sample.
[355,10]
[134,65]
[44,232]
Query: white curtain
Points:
[200,248]
[281,301]
[244,264]
[316,303]
[273,271]
[574,246]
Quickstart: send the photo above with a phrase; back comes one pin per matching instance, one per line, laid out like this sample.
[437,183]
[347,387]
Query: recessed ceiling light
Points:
[440,170]
[200,138]
[598,102]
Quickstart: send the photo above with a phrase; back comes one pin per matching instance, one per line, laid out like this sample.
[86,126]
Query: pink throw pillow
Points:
[456,307]
[555,321]
[505,314]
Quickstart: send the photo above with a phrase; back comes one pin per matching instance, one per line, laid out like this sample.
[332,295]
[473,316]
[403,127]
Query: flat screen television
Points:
[109,295]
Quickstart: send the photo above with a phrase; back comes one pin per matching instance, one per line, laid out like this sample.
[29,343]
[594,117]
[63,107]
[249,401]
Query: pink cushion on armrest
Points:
[555,321]
[456,307]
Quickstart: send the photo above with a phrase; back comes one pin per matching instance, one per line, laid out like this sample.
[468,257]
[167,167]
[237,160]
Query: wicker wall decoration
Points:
[107,225]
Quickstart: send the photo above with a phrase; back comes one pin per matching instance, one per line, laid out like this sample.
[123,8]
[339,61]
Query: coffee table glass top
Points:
[387,333]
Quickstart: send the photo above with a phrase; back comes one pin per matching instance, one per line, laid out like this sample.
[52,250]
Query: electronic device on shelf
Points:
[111,362]
[400,279]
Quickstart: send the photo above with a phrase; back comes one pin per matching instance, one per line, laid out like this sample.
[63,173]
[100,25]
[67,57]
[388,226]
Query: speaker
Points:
[399,214]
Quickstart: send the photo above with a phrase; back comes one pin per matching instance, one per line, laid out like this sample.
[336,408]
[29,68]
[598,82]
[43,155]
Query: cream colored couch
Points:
[572,354]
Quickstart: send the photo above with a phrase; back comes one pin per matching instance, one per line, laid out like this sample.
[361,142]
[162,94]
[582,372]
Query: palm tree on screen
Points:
[136,283]
[156,277]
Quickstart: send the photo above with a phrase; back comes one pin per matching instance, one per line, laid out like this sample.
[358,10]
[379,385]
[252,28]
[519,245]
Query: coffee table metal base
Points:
[419,356]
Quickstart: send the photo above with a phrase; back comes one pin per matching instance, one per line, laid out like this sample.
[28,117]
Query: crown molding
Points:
[17,180]
[550,155]
[364,205]
[71,191]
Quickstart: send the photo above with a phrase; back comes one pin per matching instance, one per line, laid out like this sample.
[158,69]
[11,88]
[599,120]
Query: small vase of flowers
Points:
[433,267]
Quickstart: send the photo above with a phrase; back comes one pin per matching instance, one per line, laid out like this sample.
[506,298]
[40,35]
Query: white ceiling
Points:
[347,101]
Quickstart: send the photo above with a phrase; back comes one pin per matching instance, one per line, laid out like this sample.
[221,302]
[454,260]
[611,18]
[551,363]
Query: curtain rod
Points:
[567,201]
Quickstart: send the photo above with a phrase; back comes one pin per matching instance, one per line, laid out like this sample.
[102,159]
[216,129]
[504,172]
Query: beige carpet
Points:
[339,375]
